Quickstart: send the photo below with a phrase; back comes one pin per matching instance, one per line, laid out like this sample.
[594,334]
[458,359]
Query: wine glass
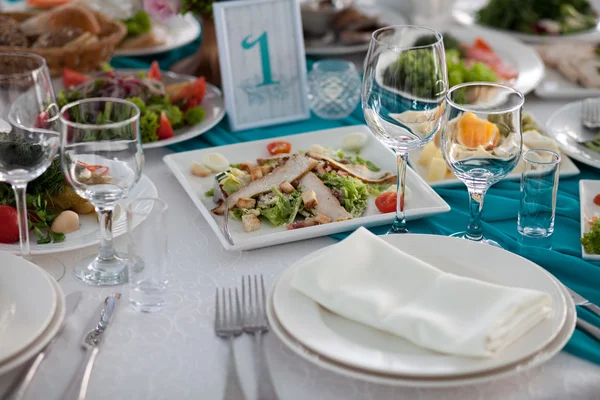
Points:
[102,160]
[29,136]
[403,94]
[482,142]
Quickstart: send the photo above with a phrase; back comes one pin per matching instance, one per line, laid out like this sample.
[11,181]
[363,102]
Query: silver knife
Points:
[94,333]
[71,302]
[579,300]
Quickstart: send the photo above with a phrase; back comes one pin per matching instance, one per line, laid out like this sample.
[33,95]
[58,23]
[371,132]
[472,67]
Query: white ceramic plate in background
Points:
[556,86]
[45,338]
[397,380]
[563,127]
[363,347]
[588,189]
[181,31]
[89,230]
[32,300]
[424,201]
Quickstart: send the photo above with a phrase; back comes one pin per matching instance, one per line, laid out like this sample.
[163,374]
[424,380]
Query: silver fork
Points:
[218,195]
[255,323]
[228,325]
[590,113]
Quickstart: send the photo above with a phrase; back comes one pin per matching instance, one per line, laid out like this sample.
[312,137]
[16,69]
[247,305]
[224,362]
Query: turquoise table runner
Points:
[500,212]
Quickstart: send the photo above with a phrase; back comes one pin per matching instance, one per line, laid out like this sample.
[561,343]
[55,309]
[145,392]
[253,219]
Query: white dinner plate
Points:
[47,335]
[466,16]
[563,126]
[556,86]
[398,380]
[567,169]
[213,105]
[29,292]
[181,31]
[588,189]
[316,47]
[363,347]
[424,201]
[89,231]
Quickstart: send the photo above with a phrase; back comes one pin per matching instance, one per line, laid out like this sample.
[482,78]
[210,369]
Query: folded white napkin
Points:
[369,281]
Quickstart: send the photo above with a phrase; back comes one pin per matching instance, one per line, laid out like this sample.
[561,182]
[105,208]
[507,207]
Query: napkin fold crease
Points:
[367,280]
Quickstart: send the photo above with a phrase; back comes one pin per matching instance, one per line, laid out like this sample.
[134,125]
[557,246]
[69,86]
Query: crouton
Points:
[256,173]
[250,222]
[322,219]
[246,202]
[266,169]
[200,170]
[247,167]
[320,168]
[286,187]
[309,198]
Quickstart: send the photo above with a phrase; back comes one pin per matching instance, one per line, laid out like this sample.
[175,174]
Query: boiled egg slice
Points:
[216,162]
[355,141]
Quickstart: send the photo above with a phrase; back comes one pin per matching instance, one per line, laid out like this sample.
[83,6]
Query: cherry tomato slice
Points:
[386,202]
[597,200]
[9,225]
[279,148]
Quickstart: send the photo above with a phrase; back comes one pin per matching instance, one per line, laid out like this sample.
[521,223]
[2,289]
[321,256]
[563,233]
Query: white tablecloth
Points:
[175,355]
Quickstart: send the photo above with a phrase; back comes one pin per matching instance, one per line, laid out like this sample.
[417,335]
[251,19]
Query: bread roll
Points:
[69,15]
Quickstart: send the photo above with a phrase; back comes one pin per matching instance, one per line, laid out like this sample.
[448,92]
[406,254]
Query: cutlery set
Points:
[93,335]
[233,319]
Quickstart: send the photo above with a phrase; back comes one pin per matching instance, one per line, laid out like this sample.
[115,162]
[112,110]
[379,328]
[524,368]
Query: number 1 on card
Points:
[264,56]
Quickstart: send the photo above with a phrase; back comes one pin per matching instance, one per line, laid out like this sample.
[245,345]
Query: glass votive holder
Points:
[539,187]
[333,88]
[148,257]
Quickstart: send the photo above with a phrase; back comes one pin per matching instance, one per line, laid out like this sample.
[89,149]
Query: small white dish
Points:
[327,364]
[47,335]
[181,31]
[89,230]
[588,189]
[564,126]
[424,201]
[31,300]
[359,346]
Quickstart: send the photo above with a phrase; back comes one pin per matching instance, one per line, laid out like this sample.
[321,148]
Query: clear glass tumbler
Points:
[539,186]
[334,88]
[148,255]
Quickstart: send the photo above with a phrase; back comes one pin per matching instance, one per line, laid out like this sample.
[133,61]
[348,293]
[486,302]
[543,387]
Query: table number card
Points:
[261,53]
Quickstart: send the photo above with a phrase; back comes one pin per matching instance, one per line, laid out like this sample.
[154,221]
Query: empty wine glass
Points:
[481,142]
[403,94]
[29,136]
[102,160]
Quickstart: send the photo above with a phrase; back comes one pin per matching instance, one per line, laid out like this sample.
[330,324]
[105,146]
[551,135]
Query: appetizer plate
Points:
[564,126]
[588,189]
[318,47]
[181,31]
[359,346]
[466,13]
[424,200]
[89,232]
[47,335]
[398,380]
[556,86]
[32,300]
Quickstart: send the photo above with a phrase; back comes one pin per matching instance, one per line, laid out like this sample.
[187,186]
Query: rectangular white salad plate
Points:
[588,189]
[423,201]
[567,169]
[557,87]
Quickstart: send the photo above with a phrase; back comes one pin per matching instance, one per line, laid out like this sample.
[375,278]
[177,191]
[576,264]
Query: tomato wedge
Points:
[165,130]
[279,148]
[482,44]
[73,78]
[154,71]
[9,225]
[192,93]
[597,200]
[386,202]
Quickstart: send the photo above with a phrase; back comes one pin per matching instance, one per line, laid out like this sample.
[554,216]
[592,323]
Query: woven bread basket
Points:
[82,58]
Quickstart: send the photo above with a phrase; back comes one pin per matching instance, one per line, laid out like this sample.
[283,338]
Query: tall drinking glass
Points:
[482,142]
[102,160]
[403,93]
[29,135]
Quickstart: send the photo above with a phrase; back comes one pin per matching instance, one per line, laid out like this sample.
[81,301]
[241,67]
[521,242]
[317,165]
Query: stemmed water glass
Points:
[29,134]
[482,142]
[403,94]
[102,160]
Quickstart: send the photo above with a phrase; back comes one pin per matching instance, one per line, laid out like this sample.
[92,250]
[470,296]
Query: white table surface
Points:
[175,355]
